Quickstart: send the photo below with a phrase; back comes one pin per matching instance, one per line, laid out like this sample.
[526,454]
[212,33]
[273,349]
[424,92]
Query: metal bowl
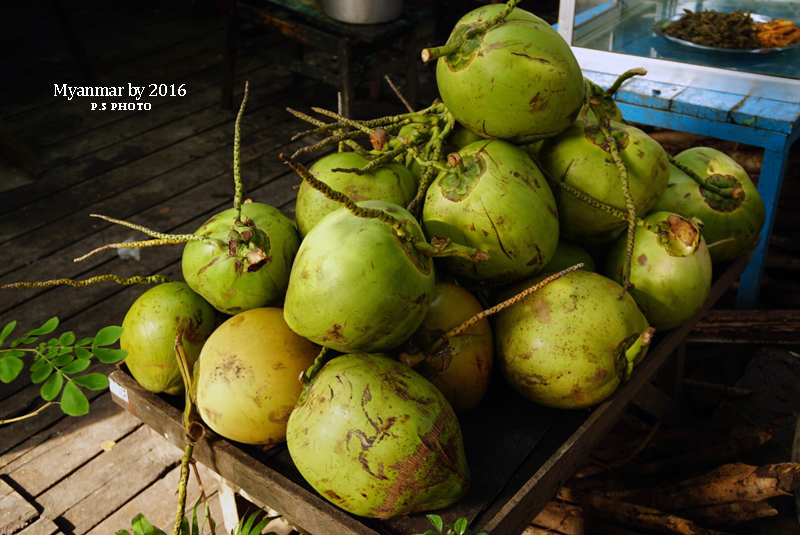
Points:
[363,11]
[660,25]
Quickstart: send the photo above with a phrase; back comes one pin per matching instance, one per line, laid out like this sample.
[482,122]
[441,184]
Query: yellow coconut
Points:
[466,380]
[248,376]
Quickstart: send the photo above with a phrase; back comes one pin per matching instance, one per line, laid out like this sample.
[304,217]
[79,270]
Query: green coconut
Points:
[357,286]
[731,223]
[391,182]
[518,80]
[376,439]
[150,328]
[495,200]
[570,344]
[580,157]
[670,271]
[248,266]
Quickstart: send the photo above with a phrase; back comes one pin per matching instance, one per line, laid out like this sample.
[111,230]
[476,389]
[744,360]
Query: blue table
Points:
[771,124]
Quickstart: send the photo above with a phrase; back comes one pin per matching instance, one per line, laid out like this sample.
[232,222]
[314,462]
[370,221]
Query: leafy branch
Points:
[459,527]
[57,362]
[246,526]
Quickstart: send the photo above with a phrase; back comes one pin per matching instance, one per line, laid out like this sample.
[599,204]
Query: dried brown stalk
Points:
[633,515]
[561,517]
[718,453]
[728,484]
[727,514]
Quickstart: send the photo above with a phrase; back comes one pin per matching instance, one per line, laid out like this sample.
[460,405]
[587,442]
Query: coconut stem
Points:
[377,162]
[497,308]
[337,138]
[398,93]
[193,430]
[437,146]
[237,156]
[312,372]
[344,200]
[594,202]
[131,245]
[442,247]
[603,124]
[624,77]
[430,54]
[159,235]
[153,279]
[734,193]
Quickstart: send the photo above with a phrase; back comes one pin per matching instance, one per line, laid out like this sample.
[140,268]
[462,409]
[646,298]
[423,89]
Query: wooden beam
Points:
[748,327]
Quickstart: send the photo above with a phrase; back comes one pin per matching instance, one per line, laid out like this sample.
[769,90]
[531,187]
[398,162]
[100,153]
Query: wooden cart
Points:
[519,453]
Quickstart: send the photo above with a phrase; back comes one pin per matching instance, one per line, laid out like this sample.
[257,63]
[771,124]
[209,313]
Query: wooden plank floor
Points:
[168,168]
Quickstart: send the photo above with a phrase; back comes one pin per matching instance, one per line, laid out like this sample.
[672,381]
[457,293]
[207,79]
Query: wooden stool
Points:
[365,53]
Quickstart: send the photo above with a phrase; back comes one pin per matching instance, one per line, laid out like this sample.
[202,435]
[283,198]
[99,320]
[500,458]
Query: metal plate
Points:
[660,25]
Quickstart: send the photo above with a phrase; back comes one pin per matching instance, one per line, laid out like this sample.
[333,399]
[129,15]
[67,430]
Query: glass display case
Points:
[615,35]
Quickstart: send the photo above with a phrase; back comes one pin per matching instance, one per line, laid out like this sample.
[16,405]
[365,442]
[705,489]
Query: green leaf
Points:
[436,520]
[48,327]
[23,340]
[107,336]
[109,356]
[142,526]
[65,350]
[52,387]
[62,360]
[10,367]
[75,366]
[12,353]
[42,373]
[6,331]
[73,402]
[67,338]
[83,353]
[83,342]
[52,342]
[92,381]
[460,526]
[38,364]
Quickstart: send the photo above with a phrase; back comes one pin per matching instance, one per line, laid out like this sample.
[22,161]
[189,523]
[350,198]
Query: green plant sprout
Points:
[246,526]
[57,362]
[459,527]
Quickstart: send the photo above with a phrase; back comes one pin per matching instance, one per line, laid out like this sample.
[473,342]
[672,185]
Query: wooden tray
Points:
[519,453]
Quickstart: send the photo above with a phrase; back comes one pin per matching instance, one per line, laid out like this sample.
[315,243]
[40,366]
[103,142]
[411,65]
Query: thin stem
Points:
[310,373]
[497,308]
[625,76]
[722,192]
[424,182]
[594,202]
[347,122]
[430,54]
[626,193]
[374,164]
[357,134]
[204,496]
[344,200]
[398,93]
[132,245]
[193,430]
[30,415]
[153,279]
[587,97]
[182,485]
[160,235]
[237,156]
[339,108]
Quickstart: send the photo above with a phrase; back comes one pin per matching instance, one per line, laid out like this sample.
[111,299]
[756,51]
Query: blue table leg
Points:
[769,187]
